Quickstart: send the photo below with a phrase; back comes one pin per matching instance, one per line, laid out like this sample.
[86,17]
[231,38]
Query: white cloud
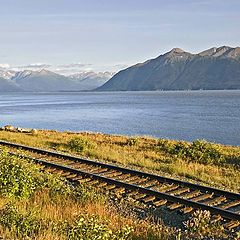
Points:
[72,68]
[75,65]
[4,65]
[34,66]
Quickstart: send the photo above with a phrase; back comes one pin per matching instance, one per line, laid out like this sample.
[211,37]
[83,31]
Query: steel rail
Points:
[162,179]
[197,205]
[161,195]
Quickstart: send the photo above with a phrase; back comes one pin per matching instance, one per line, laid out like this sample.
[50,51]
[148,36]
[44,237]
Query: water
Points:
[183,115]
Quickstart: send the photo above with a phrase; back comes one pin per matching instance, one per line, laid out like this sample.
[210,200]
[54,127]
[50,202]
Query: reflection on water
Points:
[187,115]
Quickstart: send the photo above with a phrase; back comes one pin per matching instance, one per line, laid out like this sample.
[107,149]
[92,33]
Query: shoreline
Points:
[202,162]
[29,130]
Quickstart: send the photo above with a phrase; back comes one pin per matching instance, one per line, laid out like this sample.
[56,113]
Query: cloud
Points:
[35,66]
[121,66]
[4,65]
[75,65]
[72,68]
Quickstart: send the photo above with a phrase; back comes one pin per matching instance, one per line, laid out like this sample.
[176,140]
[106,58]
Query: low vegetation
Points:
[38,205]
[200,161]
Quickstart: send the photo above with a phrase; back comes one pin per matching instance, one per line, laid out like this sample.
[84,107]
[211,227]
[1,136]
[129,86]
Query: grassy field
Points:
[38,205]
[202,162]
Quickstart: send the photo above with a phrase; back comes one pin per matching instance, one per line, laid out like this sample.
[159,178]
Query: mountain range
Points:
[215,68]
[47,81]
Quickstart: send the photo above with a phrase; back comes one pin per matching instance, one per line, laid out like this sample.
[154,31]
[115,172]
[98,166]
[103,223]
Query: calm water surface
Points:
[185,115]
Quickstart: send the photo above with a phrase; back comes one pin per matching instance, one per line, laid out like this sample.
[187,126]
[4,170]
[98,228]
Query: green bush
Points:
[201,227]
[132,142]
[87,194]
[164,144]
[18,178]
[89,227]
[81,144]
[200,151]
[21,225]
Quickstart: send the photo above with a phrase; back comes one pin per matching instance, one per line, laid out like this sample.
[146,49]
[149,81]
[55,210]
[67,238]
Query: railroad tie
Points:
[187,195]
[58,161]
[75,165]
[149,199]
[160,202]
[93,182]
[215,201]
[119,190]
[131,179]
[123,176]
[232,224]
[102,184]
[94,170]
[85,167]
[55,171]
[84,180]
[110,187]
[66,174]
[72,176]
[190,194]
[112,174]
[174,206]
[230,204]
[133,193]
[215,218]
[178,191]
[196,199]
[101,170]
[150,184]
[77,178]
[167,188]
[139,196]
[50,169]
[202,197]
[138,181]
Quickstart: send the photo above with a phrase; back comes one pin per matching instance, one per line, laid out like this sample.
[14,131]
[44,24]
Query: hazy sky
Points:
[109,34]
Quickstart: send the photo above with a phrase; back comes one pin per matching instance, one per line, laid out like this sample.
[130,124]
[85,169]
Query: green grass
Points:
[200,161]
[51,208]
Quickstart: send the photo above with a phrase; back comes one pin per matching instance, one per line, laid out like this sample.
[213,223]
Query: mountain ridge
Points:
[44,80]
[214,68]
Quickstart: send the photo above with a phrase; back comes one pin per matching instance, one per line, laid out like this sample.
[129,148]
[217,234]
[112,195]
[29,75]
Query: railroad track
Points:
[145,187]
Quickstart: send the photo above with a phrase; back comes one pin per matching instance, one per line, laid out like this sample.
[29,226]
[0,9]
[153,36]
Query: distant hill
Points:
[215,68]
[91,80]
[44,80]
[7,85]
[47,81]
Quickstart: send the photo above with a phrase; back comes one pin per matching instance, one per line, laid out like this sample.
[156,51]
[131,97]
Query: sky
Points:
[108,35]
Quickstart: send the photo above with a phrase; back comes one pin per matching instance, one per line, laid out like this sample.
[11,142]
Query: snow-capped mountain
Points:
[91,80]
[45,80]
[21,74]
[91,74]
[7,74]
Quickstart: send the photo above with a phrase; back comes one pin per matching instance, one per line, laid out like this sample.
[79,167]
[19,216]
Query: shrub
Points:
[80,144]
[201,227]
[204,152]
[132,142]
[199,151]
[87,194]
[57,186]
[18,178]
[164,144]
[89,227]
[21,225]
